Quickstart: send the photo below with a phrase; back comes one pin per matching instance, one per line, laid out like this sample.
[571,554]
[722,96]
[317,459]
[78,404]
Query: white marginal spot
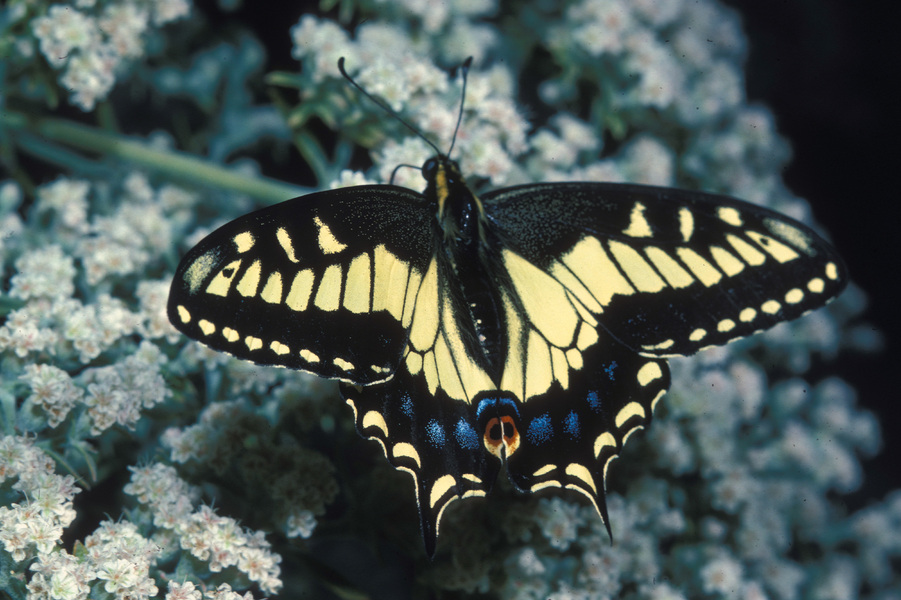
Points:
[284,240]
[183,314]
[309,356]
[244,241]
[472,477]
[279,348]
[253,343]
[816,285]
[794,295]
[831,271]
[230,334]
[206,326]
[661,346]
[789,233]
[729,215]
[630,410]
[345,365]
[328,243]
[199,269]
[697,335]
[646,374]
[541,485]
[770,307]
[747,315]
[686,224]
[638,224]
[725,325]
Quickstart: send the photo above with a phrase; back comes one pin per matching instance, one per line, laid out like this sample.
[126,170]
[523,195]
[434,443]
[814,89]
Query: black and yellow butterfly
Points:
[528,326]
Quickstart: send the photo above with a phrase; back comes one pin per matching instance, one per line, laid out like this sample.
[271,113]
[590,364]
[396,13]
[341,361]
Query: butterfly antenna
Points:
[465,67]
[386,108]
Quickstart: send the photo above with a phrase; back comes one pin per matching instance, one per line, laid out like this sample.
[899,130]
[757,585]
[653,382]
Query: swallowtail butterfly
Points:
[527,327]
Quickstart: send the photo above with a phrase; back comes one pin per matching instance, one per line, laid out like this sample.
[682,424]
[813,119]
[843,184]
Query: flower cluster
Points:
[90,42]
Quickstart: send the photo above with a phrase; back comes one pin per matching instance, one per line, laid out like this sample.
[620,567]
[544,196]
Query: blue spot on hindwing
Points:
[496,404]
[435,433]
[593,401]
[466,435]
[540,430]
[406,406]
[609,370]
[571,425]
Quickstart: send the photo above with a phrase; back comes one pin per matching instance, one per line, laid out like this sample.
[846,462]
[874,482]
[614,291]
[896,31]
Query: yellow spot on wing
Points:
[391,274]
[425,316]
[605,440]
[284,240]
[638,224]
[279,348]
[789,233]
[697,335]
[272,291]
[301,288]
[747,315]
[648,373]
[538,366]
[375,419]
[776,249]
[748,252]
[441,487]
[251,280]
[329,292]
[309,356]
[816,285]
[544,470]
[703,270]
[544,300]
[637,269]
[230,334]
[199,269]
[244,241]
[206,326]
[581,473]
[729,215]
[794,295]
[726,261]
[405,450]
[346,365]
[327,241]
[183,314]
[630,410]
[590,263]
[357,288]
[831,271]
[725,326]
[686,224]
[587,336]
[221,283]
[770,307]
[672,271]
[253,343]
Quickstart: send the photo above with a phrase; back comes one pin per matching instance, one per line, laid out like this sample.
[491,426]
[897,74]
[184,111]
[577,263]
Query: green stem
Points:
[172,163]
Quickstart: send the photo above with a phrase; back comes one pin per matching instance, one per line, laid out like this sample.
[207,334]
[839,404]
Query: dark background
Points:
[829,70]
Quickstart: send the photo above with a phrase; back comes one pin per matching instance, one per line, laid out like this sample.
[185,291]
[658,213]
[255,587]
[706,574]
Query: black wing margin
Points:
[667,271]
[324,283]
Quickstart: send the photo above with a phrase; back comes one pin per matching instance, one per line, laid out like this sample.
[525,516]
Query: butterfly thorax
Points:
[466,240]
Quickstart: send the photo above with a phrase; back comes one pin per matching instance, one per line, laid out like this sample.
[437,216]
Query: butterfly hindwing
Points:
[667,271]
[428,435]
[324,283]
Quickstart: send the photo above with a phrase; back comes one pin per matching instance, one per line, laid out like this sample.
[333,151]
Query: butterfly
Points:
[526,328]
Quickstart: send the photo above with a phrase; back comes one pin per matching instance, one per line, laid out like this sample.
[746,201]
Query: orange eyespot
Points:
[501,437]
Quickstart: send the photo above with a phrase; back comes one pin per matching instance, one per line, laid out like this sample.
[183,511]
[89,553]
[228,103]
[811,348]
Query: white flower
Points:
[722,575]
[43,272]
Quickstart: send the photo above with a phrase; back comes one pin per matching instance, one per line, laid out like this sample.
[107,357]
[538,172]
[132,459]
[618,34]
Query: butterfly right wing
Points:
[324,283]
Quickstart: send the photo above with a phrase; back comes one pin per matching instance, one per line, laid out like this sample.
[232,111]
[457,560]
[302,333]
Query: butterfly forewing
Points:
[322,283]
[665,271]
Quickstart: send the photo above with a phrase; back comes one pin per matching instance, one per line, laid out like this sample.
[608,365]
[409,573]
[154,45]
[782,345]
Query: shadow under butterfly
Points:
[527,327]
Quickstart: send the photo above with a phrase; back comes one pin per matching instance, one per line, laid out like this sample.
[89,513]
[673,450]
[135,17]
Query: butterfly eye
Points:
[429,168]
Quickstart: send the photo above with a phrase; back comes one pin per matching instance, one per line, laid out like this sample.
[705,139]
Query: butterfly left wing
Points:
[666,271]
[324,283]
